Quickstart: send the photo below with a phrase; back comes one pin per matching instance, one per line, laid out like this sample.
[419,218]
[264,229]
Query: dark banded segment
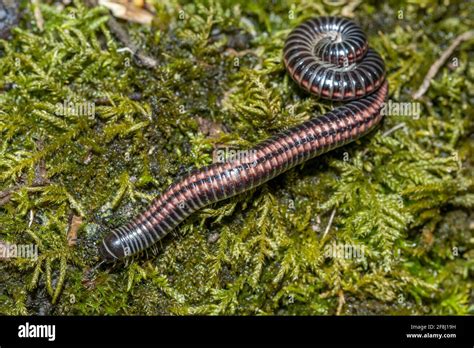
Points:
[284,150]
[329,57]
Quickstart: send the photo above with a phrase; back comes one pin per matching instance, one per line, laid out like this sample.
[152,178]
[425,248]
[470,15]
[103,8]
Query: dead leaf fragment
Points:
[76,222]
[131,10]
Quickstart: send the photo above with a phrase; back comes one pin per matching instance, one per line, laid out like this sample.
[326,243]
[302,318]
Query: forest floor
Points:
[90,132]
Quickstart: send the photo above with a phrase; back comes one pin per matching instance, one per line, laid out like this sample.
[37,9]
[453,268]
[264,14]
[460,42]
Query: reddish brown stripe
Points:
[285,149]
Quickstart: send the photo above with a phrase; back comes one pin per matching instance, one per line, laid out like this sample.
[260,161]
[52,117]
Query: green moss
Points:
[404,198]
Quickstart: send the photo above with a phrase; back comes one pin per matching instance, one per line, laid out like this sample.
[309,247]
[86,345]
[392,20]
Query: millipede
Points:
[327,56]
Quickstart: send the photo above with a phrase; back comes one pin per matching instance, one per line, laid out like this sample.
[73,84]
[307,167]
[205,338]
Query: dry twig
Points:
[468,35]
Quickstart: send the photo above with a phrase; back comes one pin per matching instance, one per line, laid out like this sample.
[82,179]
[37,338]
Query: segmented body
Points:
[327,56]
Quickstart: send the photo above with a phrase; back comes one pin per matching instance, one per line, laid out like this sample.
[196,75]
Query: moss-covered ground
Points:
[402,197]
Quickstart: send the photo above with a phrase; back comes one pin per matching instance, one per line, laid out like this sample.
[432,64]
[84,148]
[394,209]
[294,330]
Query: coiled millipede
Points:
[327,56]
